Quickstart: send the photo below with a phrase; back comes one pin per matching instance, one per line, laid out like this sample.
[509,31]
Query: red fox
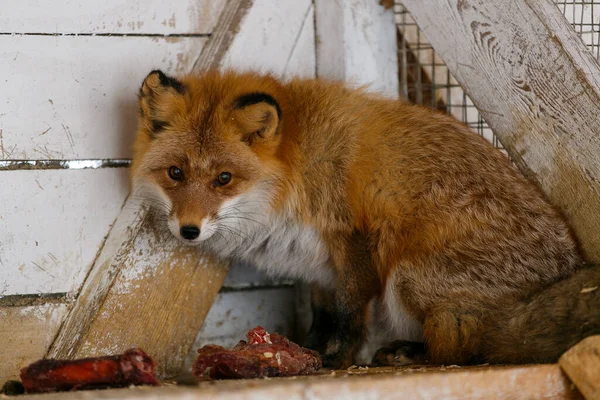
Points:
[395,212]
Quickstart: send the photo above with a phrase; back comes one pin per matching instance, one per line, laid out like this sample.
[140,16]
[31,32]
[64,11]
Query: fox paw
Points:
[335,361]
[401,352]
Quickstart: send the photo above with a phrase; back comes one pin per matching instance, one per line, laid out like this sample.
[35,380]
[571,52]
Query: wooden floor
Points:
[483,382]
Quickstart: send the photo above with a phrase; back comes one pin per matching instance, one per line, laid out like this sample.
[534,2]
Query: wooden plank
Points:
[582,365]
[78,93]
[110,16]
[248,30]
[27,336]
[285,30]
[502,383]
[356,42]
[269,28]
[302,61]
[225,31]
[537,86]
[56,221]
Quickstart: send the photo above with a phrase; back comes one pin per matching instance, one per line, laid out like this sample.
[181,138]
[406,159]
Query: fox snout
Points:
[189,232]
[192,233]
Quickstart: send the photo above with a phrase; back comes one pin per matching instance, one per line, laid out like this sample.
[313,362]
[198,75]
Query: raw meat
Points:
[264,355]
[134,367]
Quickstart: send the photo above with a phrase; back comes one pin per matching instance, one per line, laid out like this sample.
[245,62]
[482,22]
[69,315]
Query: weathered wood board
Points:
[110,16]
[73,107]
[52,224]
[581,363]
[538,87]
[34,326]
[356,42]
[431,383]
[302,60]
[269,36]
[70,79]
[289,52]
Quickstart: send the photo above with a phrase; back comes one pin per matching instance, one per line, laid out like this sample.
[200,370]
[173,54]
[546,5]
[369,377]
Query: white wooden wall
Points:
[356,43]
[70,73]
[69,93]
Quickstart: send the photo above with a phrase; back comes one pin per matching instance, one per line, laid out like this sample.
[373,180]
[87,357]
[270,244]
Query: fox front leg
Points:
[357,284]
[323,324]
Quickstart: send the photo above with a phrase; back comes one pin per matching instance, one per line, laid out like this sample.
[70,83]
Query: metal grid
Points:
[584,16]
[425,79]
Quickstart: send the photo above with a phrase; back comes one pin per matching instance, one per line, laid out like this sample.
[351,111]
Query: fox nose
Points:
[189,232]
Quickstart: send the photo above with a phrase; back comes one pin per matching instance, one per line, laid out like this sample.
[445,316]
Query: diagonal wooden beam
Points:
[227,27]
[537,86]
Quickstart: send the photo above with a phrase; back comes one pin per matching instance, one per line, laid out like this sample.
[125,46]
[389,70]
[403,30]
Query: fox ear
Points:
[158,82]
[157,88]
[258,116]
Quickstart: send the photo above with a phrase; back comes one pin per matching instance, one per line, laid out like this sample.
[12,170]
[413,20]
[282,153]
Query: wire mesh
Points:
[584,16]
[425,79]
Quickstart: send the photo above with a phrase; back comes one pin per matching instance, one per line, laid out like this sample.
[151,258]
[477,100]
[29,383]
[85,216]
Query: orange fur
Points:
[394,190]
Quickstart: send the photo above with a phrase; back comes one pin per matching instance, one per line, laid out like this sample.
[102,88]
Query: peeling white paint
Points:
[62,164]
[78,93]
[356,43]
[270,30]
[56,222]
[46,314]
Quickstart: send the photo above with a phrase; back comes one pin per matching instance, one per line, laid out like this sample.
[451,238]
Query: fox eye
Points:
[223,179]
[175,173]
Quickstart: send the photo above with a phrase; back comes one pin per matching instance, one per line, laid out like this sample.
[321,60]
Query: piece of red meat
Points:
[134,367]
[263,355]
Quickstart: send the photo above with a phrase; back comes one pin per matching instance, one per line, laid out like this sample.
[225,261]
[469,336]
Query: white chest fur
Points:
[294,251]
[246,230]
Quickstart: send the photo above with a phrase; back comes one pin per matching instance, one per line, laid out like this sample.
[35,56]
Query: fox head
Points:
[209,152]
